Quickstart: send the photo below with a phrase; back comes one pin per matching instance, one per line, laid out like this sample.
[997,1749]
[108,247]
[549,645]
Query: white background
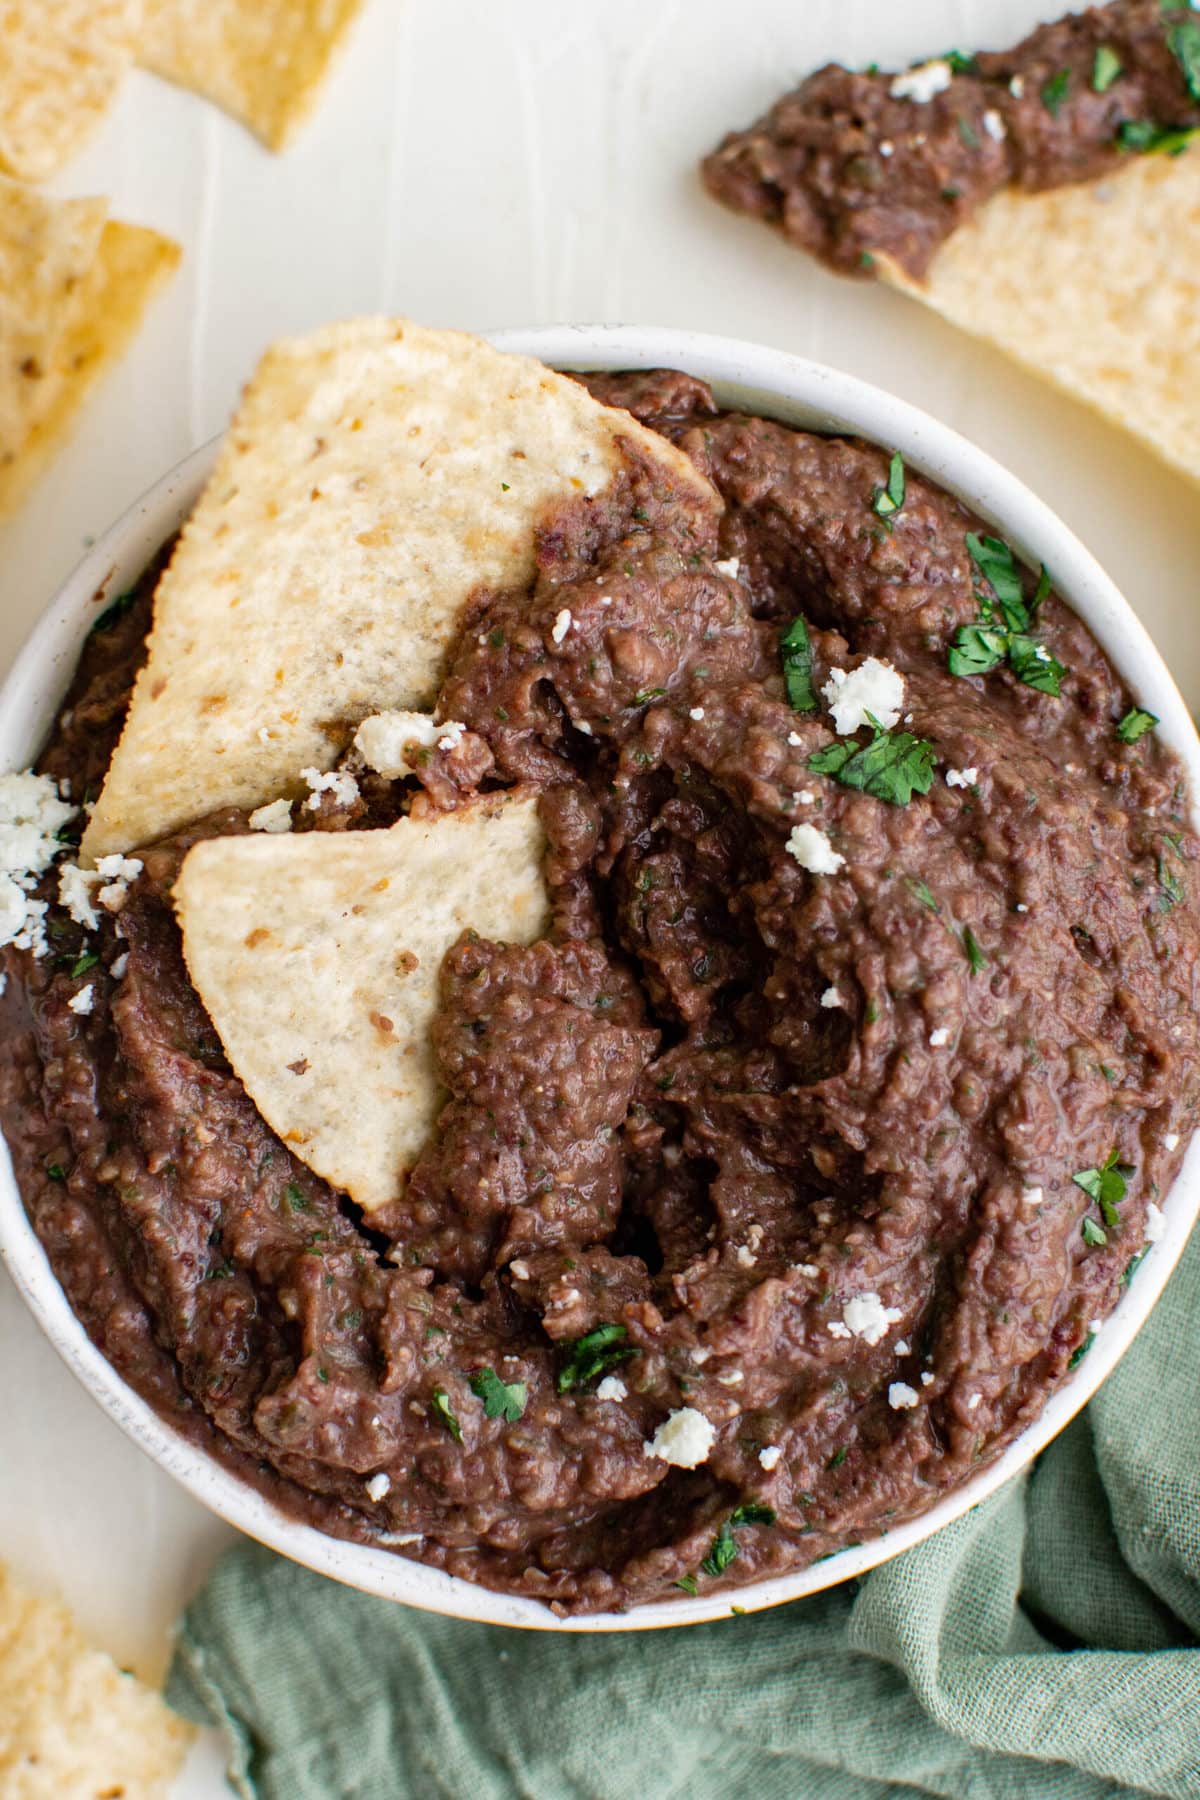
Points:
[484,165]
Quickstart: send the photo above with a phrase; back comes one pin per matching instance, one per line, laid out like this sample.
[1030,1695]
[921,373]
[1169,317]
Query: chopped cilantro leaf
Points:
[923,892]
[886,501]
[1146,138]
[501,1399]
[1183,40]
[440,1406]
[961,62]
[687,1583]
[297,1199]
[1092,1235]
[1106,1185]
[1043,588]
[1169,884]
[1135,724]
[593,1355]
[795,648]
[838,1458]
[1133,1265]
[724,1545]
[1054,91]
[85,961]
[894,766]
[1105,68]
[977,649]
[1033,664]
[1079,1352]
[998,567]
[972,952]
[645,695]
[56,1172]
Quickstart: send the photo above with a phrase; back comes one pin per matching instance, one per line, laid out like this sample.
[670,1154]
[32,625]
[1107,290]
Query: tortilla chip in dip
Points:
[377,475]
[96,323]
[262,60]
[317,958]
[61,63]
[1096,288]
[72,1725]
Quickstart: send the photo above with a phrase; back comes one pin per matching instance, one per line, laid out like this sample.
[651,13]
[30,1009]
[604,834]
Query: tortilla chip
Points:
[61,63]
[47,248]
[317,957]
[1096,288]
[262,60]
[72,1725]
[377,475]
[130,267]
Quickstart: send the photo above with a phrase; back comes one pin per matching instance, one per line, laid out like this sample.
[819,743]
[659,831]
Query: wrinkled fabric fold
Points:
[1043,1647]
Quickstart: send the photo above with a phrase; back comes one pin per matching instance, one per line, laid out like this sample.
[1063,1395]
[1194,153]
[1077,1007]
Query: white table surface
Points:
[482,166]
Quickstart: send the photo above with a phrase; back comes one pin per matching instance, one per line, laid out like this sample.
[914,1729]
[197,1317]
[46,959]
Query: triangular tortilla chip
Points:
[1094,287]
[47,248]
[262,60]
[317,957]
[61,63]
[131,265]
[71,1723]
[377,475]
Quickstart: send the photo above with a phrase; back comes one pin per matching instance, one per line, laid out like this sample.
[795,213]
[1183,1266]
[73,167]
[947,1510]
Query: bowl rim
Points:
[798,391]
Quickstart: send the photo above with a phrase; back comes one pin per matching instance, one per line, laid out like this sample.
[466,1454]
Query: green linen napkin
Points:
[1044,1647]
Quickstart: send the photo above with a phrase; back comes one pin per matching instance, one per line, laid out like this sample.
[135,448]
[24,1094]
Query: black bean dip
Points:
[854,164]
[781,1183]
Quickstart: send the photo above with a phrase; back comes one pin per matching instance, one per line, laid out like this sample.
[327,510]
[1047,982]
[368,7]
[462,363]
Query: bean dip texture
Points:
[778,1186]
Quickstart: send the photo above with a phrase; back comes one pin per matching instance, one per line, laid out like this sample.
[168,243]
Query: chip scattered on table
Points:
[1094,287]
[317,958]
[72,1725]
[378,474]
[261,60]
[88,327]
[61,64]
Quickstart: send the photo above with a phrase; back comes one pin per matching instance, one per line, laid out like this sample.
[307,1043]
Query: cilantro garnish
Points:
[961,61]
[1079,1352]
[440,1406]
[501,1399]
[887,501]
[1170,886]
[923,892]
[1183,40]
[984,645]
[593,1355]
[1054,91]
[1135,724]
[56,1172]
[1093,1237]
[1033,665]
[644,696]
[1133,1265]
[1106,1185]
[972,952]
[894,766]
[1146,138]
[297,1199]
[85,961]
[724,1545]
[839,1456]
[998,566]
[795,648]
[112,613]
[688,1584]
[1105,68]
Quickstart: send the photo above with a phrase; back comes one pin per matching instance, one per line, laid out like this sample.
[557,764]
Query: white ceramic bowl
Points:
[800,393]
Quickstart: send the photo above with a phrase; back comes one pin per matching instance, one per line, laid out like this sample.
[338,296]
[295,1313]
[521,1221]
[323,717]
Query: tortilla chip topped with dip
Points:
[377,476]
[317,959]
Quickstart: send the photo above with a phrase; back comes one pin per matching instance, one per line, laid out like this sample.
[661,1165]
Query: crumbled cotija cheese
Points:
[831,998]
[901,1396]
[961,778]
[379,1486]
[338,782]
[993,124]
[611,1388]
[276,815]
[813,850]
[924,82]
[562,625]
[768,1457]
[110,877]
[83,1001]
[1156,1224]
[939,1037]
[730,567]
[867,1317]
[684,1439]
[874,688]
[32,812]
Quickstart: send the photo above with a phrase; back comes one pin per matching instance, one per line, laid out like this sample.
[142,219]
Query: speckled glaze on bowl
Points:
[800,393]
